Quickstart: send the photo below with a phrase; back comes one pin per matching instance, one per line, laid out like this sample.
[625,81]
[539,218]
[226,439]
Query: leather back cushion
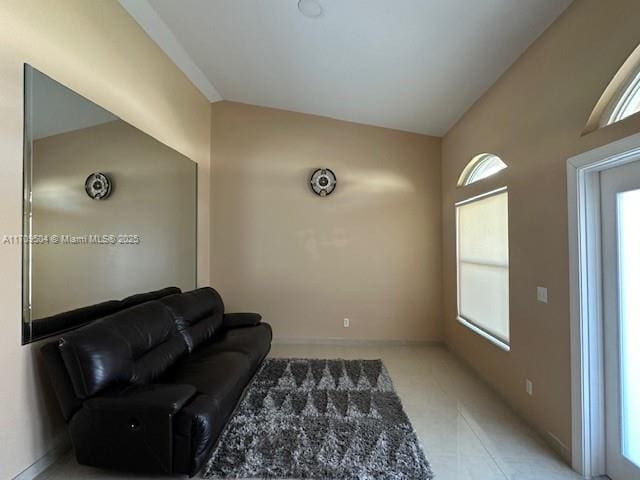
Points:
[44,327]
[139,298]
[197,314]
[134,346]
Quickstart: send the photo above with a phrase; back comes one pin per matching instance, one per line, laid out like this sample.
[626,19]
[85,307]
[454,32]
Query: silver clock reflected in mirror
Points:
[98,186]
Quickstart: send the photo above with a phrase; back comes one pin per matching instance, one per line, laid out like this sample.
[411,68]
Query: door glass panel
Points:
[629,283]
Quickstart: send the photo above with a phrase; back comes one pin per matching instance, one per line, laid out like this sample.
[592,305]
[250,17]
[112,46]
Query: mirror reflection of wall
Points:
[142,237]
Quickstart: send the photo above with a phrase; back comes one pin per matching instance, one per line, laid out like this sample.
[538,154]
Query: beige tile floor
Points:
[466,431]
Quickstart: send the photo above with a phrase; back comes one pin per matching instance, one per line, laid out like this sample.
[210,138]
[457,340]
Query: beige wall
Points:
[154,197]
[369,252]
[532,118]
[96,49]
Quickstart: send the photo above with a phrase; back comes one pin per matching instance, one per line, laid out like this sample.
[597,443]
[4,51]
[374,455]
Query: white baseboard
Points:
[63,445]
[354,342]
[559,447]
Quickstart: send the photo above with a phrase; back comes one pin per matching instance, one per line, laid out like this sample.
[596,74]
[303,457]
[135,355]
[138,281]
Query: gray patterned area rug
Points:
[320,419]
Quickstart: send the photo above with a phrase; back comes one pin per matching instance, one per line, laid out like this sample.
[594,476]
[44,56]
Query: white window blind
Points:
[483,265]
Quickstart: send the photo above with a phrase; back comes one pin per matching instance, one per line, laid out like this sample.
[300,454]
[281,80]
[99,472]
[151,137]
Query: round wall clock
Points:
[98,186]
[323,182]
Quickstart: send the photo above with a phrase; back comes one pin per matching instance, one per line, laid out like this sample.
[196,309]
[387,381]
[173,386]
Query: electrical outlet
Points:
[542,295]
[528,386]
[346,323]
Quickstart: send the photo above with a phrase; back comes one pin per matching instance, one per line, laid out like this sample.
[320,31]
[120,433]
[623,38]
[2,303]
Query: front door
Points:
[620,195]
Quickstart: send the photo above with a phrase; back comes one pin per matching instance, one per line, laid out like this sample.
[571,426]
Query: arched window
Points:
[626,103]
[621,98]
[481,166]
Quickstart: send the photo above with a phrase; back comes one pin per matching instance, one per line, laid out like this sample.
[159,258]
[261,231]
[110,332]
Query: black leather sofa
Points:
[149,388]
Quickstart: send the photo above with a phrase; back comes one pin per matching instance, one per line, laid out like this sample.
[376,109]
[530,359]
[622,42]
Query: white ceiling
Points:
[414,65]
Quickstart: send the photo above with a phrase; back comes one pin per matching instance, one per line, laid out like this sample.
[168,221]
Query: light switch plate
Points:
[543,296]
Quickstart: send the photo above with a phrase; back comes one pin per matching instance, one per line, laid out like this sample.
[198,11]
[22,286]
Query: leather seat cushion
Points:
[254,342]
[220,379]
[220,370]
[222,376]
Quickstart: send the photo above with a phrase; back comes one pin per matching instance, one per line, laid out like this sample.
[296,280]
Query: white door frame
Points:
[585,260]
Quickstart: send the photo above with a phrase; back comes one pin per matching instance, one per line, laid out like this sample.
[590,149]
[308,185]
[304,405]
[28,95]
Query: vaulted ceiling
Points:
[414,65]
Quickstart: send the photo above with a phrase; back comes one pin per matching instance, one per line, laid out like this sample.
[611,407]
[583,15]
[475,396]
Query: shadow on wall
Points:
[46,407]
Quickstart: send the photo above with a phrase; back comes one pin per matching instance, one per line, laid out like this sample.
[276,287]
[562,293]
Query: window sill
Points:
[498,343]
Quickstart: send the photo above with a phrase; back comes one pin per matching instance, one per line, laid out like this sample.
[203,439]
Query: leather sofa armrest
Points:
[130,429]
[160,399]
[236,320]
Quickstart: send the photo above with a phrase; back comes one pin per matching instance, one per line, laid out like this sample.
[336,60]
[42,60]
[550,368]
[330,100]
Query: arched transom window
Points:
[627,102]
[481,166]
[621,98]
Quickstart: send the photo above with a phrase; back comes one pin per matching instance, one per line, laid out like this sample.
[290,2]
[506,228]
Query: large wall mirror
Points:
[108,210]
